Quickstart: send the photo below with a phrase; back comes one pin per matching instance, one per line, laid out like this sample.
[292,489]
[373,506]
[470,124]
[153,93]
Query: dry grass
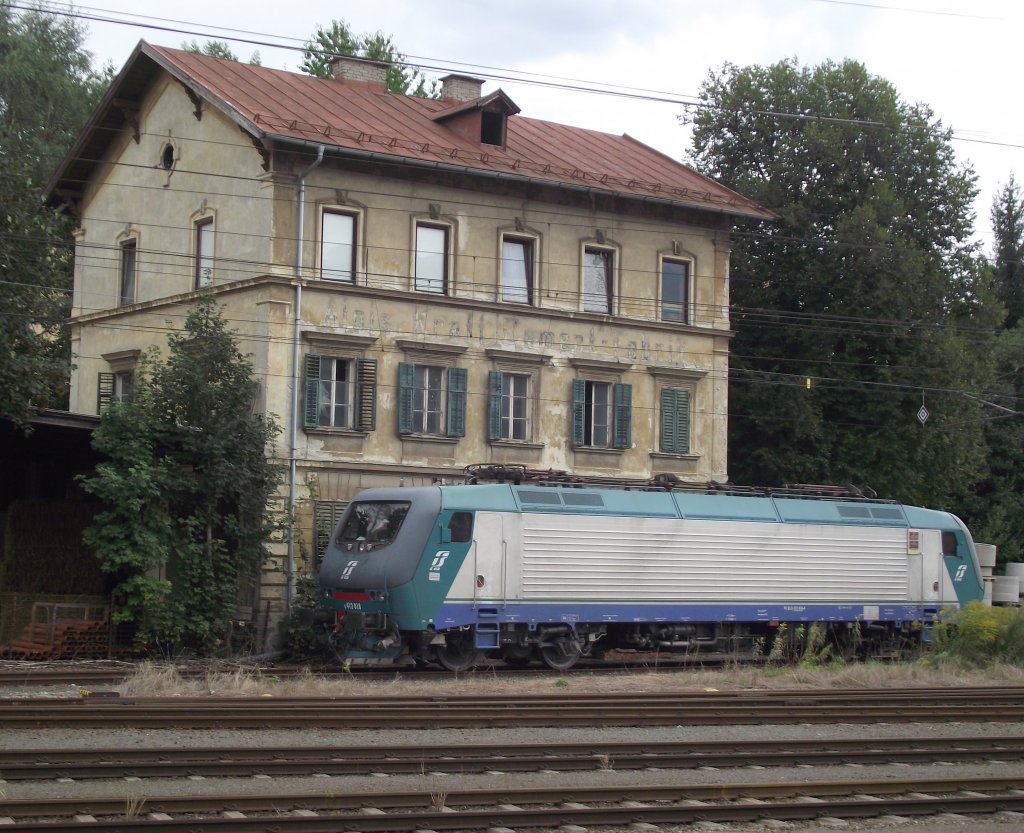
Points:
[152,680]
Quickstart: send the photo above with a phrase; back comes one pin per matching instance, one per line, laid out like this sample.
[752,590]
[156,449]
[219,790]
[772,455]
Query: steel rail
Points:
[993,694]
[281,761]
[519,808]
[450,712]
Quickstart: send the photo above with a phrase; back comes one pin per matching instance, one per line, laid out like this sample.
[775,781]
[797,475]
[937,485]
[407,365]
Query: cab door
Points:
[924,551]
[489,558]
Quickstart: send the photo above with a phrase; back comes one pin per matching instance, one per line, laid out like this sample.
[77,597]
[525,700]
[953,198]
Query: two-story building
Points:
[422,284]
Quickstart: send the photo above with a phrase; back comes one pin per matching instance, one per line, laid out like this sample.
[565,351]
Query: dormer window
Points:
[483,120]
[492,128]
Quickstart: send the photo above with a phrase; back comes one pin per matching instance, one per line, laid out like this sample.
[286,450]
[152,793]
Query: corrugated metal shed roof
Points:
[360,118]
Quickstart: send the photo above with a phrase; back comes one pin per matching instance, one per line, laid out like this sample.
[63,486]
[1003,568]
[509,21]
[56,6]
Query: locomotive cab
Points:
[381,574]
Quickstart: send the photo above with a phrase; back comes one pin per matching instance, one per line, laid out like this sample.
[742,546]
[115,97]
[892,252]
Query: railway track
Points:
[520,808]
[640,709]
[21,673]
[462,759]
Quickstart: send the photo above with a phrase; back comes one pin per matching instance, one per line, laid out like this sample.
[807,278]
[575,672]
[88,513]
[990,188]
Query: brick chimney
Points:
[460,88]
[347,68]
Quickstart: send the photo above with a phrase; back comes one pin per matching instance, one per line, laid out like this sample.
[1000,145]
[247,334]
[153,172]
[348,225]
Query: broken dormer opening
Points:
[483,120]
[492,128]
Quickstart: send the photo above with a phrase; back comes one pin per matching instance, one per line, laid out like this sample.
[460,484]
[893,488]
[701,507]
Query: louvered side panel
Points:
[646,558]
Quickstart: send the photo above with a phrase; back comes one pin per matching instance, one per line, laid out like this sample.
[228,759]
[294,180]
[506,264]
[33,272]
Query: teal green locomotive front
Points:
[387,571]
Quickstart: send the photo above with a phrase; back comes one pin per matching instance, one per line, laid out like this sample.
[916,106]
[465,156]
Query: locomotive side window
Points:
[461,527]
[375,521]
[949,543]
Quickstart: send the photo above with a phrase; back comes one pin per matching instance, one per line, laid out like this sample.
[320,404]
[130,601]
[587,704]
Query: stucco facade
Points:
[423,317]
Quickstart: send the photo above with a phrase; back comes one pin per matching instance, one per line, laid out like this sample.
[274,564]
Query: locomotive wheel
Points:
[518,656]
[561,654]
[458,653]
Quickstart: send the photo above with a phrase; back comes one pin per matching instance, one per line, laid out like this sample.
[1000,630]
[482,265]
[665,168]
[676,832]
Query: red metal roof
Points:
[360,117]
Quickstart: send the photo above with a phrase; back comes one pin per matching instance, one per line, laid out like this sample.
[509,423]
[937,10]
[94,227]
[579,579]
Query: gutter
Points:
[294,421]
[391,159]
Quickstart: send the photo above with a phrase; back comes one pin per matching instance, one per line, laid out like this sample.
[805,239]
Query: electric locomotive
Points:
[562,570]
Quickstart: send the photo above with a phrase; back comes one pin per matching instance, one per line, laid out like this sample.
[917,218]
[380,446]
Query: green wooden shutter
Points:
[104,391]
[669,434]
[622,429]
[458,383]
[683,420]
[406,381]
[366,394]
[675,421]
[326,515]
[494,405]
[579,411]
[311,411]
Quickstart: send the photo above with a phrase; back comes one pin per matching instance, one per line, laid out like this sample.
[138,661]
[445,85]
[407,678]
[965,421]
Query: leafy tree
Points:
[218,49]
[47,90]
[1008,229]
[338,39]
[864,298]
[996,513]
[186,488]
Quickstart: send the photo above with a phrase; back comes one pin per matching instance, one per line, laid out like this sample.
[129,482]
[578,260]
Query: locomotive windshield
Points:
[375,522]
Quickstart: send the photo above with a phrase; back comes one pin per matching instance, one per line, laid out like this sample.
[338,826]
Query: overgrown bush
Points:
[187,489]
[978,635]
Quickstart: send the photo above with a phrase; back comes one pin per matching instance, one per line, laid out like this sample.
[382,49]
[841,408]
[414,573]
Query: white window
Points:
[129,266]
[597,280]
[597,428]
[515,406]
[336,393]
[675,290]
[204,252]
[427,399]
[431,258]
[601,414]
[517,270]
[338,246]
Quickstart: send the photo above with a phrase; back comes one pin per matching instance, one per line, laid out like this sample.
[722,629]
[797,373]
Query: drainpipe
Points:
[294,421]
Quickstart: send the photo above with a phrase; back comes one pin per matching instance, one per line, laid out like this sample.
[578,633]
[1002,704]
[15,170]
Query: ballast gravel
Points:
[437,783]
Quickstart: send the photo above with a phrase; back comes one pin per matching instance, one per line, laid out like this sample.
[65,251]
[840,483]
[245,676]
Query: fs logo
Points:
[347,572]
[961,571]
[435,566]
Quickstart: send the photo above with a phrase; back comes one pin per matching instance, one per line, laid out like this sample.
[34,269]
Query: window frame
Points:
[618,410]
[501,406]
[333,275]
[362,410]
[454,395]
[451,393]
[117,383]
[675,419]
[128,271]
[417,253]
[610,257]
[505,363]
[694,382]
[204,234]
[687,290]
[530,244]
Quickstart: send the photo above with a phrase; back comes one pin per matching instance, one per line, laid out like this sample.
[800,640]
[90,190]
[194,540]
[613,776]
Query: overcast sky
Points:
[960,58]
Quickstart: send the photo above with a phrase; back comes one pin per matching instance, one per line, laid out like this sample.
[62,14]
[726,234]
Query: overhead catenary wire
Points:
[267,40]
[917,324]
